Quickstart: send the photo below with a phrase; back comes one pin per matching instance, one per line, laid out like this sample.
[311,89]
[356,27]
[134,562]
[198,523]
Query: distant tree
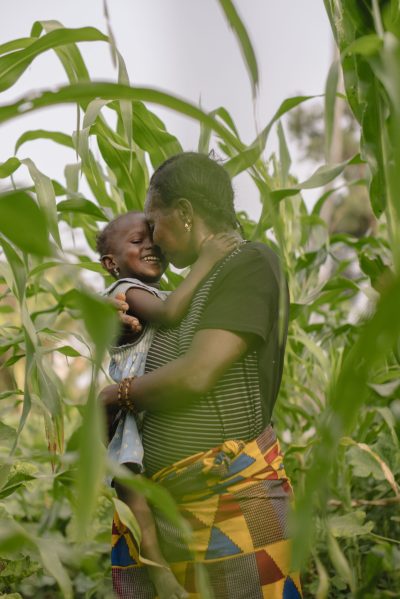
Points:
[347,210]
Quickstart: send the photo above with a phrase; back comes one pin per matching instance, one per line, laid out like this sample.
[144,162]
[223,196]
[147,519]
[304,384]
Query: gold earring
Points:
[188,226]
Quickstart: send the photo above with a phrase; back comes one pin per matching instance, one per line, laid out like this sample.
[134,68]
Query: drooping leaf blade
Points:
[19,215]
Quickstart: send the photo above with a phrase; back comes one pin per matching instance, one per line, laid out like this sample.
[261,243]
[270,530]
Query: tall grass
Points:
[339,407]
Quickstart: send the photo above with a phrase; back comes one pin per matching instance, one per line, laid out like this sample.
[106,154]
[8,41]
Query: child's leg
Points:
[165,582]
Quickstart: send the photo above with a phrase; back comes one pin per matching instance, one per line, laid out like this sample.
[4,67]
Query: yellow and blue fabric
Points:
[236,499]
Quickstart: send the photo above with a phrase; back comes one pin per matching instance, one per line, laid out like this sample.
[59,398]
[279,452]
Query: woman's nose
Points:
[154,237]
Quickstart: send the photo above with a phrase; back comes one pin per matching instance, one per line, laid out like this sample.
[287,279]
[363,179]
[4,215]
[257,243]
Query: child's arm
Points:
[169,312]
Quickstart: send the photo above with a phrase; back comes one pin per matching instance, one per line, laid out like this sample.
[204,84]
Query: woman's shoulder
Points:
[253,255]
[251,249]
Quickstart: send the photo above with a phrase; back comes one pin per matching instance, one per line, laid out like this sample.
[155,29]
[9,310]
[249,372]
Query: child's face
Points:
[134,252]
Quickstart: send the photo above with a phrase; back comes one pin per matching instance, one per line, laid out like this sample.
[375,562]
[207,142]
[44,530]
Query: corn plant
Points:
[339,407]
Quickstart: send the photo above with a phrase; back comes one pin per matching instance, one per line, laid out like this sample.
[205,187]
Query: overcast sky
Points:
[185,47]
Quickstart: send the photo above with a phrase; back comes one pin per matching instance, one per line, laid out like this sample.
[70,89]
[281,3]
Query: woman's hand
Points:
[109,397]
[119,302]
[216,247]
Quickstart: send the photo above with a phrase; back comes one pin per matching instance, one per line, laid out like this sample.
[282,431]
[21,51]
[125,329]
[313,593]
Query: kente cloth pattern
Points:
[236,498]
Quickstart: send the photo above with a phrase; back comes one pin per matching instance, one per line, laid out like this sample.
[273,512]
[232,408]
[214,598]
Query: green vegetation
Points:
[339,408]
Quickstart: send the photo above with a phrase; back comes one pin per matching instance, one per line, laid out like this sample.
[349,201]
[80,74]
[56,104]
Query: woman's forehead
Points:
[152,206]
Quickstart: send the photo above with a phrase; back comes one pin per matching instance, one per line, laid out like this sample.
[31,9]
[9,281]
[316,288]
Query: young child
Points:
[128,253]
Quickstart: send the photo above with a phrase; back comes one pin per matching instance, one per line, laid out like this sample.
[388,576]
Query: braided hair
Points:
[202,181]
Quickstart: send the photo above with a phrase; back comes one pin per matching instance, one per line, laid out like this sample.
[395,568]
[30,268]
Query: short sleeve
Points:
[245,295]
[122,286]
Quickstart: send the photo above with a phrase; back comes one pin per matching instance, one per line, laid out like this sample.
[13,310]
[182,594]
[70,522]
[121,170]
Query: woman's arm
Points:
[211,353]
[150,308]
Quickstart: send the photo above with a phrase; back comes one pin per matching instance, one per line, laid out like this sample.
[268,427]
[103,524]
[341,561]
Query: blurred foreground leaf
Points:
[23,223]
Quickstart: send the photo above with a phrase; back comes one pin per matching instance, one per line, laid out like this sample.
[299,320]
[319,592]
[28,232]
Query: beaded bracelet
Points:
[124,401]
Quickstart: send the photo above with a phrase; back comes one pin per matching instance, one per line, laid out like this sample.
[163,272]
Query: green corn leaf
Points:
[8,167]
[67,350]
[155,494]
[203,145]
[50,558]
[7,434]
[93,266]
[92,111]
[284,155]
[224,115]
[56,136]
[323,584]
[48,388]
[330,102]
[17,267]
[113,45]
[205,132]
[69,55]
[81,138]
[125,105]
[375,341]
[340,562]
[83,206]
[13,65]
[367,45]
[100,319]
[322,176]
[325,196]
[22,42]
[15,482]
[248,157]
[84,93]
[314,349]
[46,198]
[91,464]
[128,172]
[246,47]
[11,393]
[19,214]
[149,133]
[71,173]
[127,517]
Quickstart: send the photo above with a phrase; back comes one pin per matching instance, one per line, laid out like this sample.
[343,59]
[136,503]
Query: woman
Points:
[208,394]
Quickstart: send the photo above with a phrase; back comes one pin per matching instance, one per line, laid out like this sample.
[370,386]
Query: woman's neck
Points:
[201,231]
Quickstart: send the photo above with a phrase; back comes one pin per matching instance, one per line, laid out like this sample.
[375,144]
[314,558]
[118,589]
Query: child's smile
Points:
[133,251]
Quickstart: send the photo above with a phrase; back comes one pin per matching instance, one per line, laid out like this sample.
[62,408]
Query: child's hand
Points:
[121,305]
[216,247]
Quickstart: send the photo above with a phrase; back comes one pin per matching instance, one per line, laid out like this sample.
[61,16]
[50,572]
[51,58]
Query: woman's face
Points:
[168,227]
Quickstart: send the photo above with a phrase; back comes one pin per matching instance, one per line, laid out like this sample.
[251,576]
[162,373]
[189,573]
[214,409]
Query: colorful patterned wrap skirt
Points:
[236,499]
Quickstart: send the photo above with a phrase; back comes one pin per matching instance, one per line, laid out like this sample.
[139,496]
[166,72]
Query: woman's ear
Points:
[185,210]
